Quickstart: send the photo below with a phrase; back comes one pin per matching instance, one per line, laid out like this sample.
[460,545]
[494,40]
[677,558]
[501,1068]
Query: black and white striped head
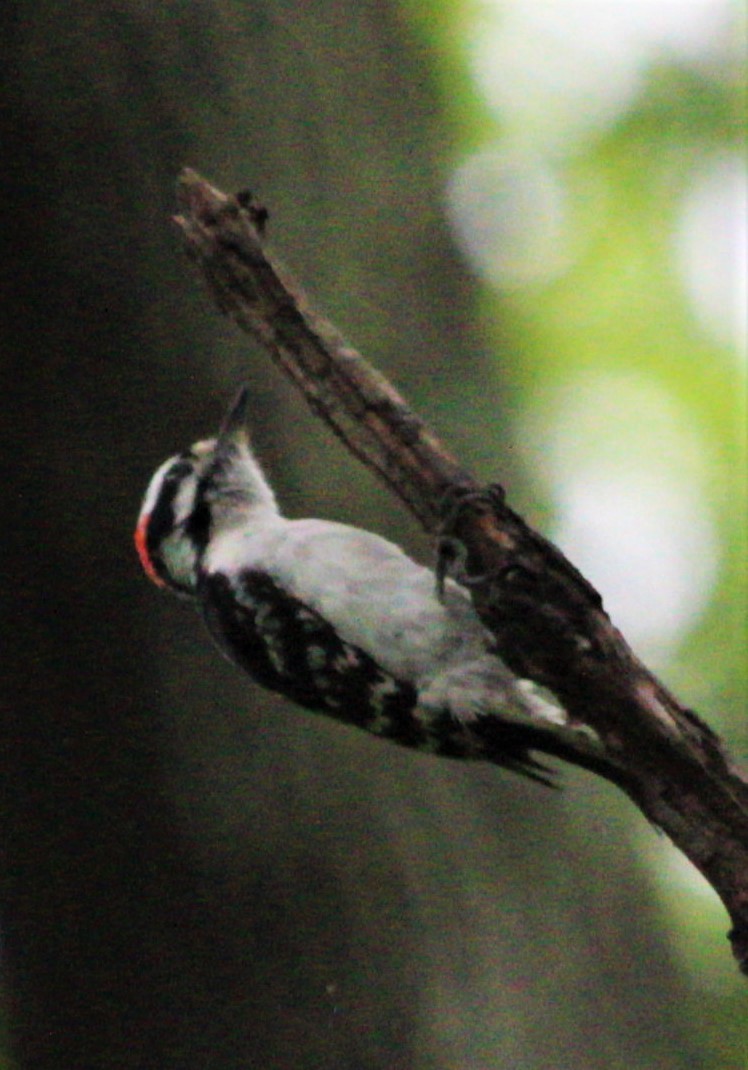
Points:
[210,488]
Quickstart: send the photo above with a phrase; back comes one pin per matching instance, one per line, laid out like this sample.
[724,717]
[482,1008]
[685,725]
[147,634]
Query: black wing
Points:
[287,647]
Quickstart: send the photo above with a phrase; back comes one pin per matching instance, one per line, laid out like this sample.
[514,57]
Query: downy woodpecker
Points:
[337,619]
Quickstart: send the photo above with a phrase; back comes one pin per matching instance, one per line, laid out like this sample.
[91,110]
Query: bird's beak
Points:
[233,429]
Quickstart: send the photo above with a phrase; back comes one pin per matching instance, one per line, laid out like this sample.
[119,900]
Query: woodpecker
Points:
[338,619]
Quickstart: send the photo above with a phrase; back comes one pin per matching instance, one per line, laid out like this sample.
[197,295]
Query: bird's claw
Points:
[459,495]
[451,553]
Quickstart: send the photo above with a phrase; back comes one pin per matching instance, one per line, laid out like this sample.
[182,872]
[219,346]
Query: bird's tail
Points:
[481,710]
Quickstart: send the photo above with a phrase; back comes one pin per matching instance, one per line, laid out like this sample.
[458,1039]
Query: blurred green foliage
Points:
[621,309]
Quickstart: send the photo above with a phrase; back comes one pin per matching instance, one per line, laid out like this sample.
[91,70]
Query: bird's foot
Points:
[451,552]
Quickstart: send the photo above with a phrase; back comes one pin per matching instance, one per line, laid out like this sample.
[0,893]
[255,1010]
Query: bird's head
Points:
[210,488]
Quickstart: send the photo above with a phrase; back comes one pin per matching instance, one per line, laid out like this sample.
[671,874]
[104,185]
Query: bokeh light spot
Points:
[508,215]
[712,249]
[628,473]
[555,72]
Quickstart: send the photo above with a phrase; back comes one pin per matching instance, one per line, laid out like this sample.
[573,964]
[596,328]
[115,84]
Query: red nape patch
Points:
[141,533]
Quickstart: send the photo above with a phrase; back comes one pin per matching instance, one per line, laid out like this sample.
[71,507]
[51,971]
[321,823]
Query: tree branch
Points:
[548,622]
